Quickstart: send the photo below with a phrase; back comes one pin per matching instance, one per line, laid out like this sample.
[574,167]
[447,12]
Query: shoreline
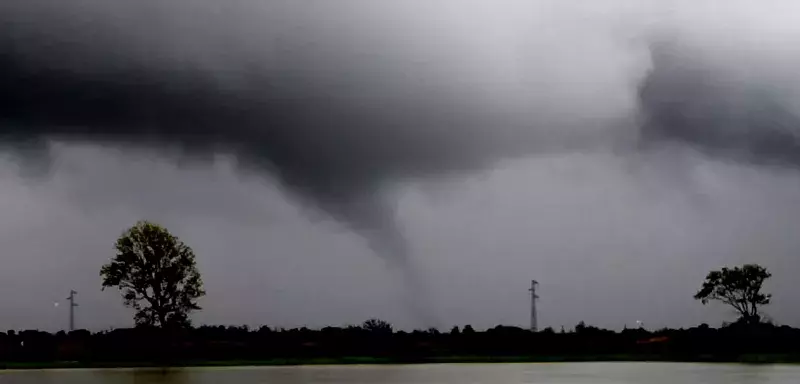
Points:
[351,361]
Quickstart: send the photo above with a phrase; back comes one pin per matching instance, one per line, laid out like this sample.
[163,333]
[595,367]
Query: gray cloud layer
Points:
[334,110]
[344,102]
[739,113]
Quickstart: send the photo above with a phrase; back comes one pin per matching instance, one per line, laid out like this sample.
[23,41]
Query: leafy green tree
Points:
[739,288]
[156,274]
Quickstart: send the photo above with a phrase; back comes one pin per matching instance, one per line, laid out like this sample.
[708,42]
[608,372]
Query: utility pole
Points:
[72,305]
[534,325]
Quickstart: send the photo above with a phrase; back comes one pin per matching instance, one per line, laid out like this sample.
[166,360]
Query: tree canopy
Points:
[156,274]
[377,326]
[739,288]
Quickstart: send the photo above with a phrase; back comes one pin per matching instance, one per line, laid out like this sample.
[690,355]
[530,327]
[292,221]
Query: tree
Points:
[377,326]
[156,274]
[739,288]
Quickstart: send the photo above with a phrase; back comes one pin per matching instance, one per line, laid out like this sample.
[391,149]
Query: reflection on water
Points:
[580,373]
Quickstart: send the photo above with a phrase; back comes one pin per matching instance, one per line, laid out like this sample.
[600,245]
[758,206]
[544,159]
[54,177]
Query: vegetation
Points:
[377,326]
[220,345]
[739,288]
[156,274]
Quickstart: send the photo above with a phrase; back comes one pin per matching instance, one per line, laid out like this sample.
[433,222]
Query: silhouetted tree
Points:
[157,275]
[739,288]
[377,326]
[147,346]
[468,330]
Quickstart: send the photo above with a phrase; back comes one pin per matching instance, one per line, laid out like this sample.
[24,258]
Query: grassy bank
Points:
[747,359]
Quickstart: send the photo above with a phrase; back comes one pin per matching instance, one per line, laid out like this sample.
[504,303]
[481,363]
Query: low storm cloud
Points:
[643,115]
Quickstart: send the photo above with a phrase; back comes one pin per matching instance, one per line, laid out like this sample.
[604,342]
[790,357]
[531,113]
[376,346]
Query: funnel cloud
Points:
[348,105]
[333,114]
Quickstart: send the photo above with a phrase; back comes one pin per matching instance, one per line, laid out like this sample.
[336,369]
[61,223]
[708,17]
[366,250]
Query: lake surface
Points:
[564,373]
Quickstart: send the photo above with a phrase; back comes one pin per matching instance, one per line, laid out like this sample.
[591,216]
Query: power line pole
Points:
[72,305]
[534,325]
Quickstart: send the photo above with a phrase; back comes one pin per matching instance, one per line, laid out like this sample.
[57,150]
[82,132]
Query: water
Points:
[579,373]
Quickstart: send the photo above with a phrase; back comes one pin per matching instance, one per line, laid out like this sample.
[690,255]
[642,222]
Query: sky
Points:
[414,161]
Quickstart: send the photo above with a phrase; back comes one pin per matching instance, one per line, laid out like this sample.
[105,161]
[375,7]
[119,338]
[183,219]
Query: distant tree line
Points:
[146,345]
[156,275]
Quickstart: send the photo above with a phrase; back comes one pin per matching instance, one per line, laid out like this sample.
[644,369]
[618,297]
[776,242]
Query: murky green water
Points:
[588,373]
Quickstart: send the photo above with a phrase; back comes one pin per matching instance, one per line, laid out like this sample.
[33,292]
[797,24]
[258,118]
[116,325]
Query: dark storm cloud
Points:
[337,108]
[731,109]
[343,100]
[333,125]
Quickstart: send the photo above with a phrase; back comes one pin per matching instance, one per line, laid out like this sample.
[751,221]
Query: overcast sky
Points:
[414,161]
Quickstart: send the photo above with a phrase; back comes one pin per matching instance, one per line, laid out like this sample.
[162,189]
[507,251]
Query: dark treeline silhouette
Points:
[156,274]
[377,340]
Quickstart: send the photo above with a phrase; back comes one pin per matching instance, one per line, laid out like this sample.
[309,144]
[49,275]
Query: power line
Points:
[534,296]
[72,305]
